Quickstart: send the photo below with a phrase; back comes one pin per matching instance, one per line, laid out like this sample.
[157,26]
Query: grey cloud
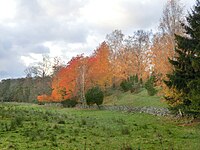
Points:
[63,7]
[3,74]
[29,10]
[11,66]
[143,14]
[33,26]
[4,48]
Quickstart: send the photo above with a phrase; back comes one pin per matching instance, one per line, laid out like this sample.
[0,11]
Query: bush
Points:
[94,96]
[125,85]
[132,84]
[136,88]
[69,103]
[41,103]
[149,85]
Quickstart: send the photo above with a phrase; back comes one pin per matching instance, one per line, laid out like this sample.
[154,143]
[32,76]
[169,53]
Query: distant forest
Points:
[24,89]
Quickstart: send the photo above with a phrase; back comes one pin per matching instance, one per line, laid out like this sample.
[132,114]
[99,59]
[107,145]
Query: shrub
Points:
[136,88]
[149,85]
[69,103]
[132,84]
[125,85]
[41,103]
[94,96]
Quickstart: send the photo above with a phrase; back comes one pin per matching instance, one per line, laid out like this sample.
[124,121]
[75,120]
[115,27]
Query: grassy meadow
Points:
[28,126]
[137,100]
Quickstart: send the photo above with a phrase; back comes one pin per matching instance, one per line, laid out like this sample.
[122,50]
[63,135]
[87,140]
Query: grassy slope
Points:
[40,127]
[140,99]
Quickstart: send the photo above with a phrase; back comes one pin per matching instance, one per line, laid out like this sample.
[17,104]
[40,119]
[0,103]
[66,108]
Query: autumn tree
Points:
[173,16]
[137,47]
[163,46]
[162,50]
[130,54]
[57,64]
[115,41]
[82,77]
[64,83]
[82,73]
[99,67]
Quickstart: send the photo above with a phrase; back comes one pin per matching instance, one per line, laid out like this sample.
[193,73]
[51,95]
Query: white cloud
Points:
[104,13]
[7,10]
[31,58]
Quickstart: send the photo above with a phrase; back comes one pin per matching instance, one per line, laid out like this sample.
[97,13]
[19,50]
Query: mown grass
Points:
[139,100]
[40,127]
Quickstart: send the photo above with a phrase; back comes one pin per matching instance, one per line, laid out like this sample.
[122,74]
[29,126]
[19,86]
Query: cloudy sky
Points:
[65,28]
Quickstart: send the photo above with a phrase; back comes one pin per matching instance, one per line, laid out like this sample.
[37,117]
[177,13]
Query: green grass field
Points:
[130,99]
[27,126]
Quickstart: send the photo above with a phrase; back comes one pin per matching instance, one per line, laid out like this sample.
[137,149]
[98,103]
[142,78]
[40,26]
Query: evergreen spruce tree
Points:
[184,82]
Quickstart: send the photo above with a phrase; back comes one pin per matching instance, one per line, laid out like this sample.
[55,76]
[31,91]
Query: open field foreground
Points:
[24,126]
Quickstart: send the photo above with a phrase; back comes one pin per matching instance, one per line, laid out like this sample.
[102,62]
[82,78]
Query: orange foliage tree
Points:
[129,55]
[99,67]
[162,50]
[163,46]
[64,83]
[80,74]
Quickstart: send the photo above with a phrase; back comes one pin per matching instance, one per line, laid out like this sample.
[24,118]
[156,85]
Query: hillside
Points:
[138,100]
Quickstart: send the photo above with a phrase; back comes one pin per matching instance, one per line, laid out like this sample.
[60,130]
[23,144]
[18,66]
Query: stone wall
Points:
[146,109]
